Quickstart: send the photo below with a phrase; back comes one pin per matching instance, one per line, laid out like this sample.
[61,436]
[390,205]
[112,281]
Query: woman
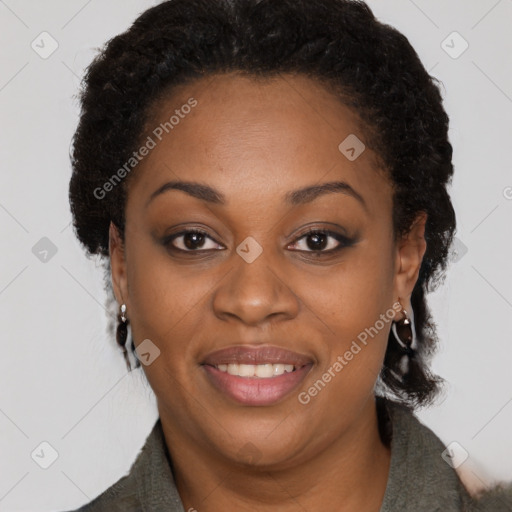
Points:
[267,182]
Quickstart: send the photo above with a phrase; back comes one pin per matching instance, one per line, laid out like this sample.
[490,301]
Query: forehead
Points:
[257,137]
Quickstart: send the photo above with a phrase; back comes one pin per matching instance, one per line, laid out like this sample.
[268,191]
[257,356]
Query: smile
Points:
[261,371]
[256,376]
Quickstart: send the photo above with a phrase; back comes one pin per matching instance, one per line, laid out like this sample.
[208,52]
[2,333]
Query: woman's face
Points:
[258,157]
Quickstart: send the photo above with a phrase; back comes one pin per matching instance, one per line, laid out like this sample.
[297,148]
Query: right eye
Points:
[190,240]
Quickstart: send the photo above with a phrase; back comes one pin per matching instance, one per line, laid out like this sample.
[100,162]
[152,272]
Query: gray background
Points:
[63,380]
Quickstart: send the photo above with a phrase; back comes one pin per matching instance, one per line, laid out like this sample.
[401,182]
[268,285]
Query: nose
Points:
[255,293]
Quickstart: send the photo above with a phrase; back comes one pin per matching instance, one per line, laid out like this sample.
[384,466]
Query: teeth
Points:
[245,370]
[263,371]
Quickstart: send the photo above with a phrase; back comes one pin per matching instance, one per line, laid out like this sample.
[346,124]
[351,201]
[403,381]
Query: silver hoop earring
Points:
[404,332]
[123,313]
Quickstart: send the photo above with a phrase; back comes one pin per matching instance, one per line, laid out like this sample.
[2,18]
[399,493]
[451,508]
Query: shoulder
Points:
[148,486]
[496,499]
[121,496]
[422,476]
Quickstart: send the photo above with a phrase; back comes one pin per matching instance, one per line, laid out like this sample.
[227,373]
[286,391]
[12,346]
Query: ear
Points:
[117,264]
[410,251]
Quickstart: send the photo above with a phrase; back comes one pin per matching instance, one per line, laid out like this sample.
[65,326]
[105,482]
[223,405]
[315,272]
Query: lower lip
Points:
[254,390]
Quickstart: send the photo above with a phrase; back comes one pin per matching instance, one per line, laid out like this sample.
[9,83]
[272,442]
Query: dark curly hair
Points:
[369,65]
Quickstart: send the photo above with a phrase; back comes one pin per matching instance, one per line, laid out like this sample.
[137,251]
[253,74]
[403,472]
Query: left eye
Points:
[318,241]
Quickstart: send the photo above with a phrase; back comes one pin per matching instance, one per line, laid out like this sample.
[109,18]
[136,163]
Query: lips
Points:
[259,355]
[255,390]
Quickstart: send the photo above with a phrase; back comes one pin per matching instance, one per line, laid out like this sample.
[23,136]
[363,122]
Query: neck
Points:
[351,473]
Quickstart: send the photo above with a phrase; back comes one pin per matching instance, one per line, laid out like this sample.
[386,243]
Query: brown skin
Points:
[254,142]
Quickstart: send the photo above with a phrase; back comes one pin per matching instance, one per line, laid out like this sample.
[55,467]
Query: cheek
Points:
[169,303]
[356,309]
[353,295]
[166,306]
[355,348]
[158,296]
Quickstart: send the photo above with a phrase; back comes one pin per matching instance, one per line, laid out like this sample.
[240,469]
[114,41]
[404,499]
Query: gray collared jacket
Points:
[419,479]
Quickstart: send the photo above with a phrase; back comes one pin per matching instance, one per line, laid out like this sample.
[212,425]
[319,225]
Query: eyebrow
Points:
[294,198]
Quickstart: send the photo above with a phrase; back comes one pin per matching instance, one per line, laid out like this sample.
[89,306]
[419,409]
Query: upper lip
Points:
[263,354]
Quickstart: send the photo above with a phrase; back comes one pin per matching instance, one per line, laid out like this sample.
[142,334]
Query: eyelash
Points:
[341,239]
